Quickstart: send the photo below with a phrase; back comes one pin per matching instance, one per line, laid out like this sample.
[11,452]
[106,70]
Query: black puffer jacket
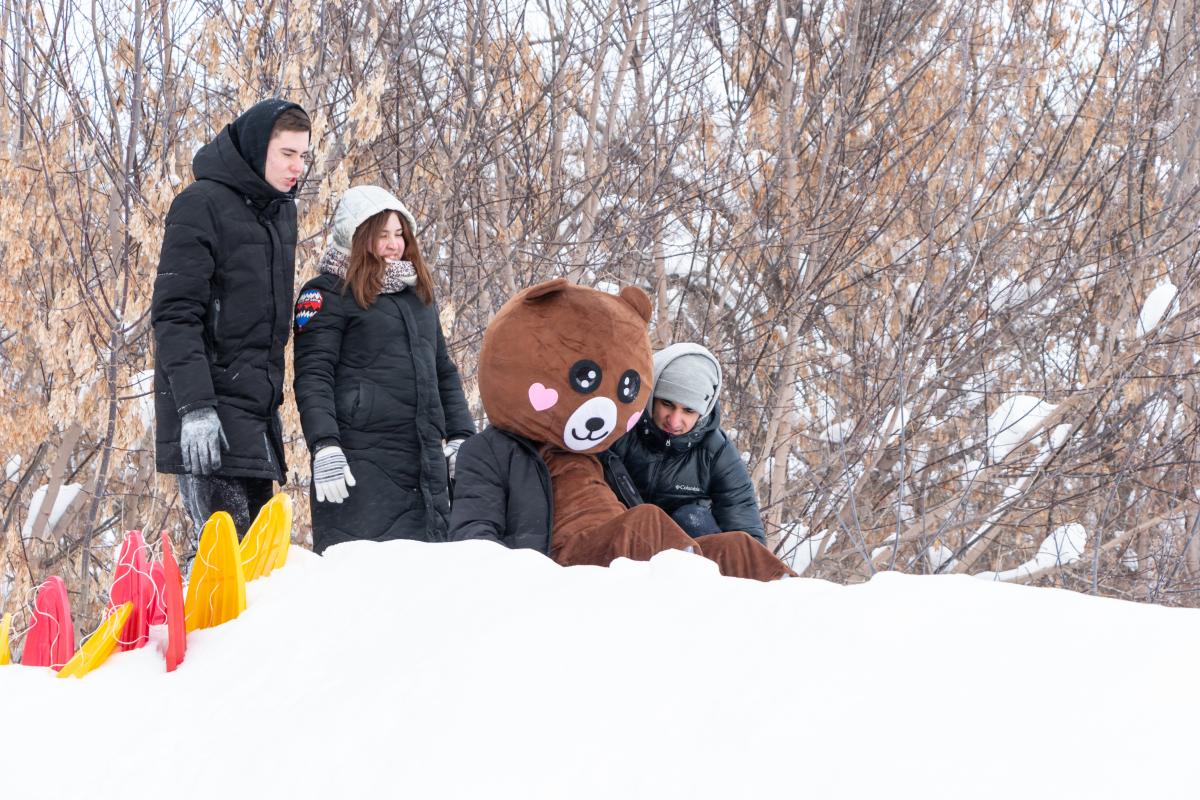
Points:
[222,304]
[502,492]
[379,383]
[701,466]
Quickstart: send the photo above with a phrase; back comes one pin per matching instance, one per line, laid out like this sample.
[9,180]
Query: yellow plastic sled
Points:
[5,624]
[216,592]
[96,650]
[265,545]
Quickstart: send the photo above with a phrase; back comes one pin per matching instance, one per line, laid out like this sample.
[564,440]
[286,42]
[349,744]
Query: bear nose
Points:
[594,424]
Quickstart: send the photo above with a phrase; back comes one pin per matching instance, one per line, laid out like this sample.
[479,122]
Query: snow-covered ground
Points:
[469,671]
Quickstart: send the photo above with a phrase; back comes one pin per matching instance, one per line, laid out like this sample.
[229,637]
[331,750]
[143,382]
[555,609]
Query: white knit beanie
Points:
[358,205]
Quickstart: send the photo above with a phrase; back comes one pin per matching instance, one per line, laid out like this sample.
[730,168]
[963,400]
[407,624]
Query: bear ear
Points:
[545,288]
[639,300]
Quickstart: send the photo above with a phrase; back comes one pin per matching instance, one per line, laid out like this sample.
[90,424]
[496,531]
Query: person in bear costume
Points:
[564,372]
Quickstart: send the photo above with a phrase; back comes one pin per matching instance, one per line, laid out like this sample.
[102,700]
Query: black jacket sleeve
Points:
[480,494]
[459,422]
[182,294]
[618,477]
[733,502]
[317,351]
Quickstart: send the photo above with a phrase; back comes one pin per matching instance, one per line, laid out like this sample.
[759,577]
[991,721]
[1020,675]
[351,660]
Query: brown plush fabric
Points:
[592,527]
[582,498]
[569,368]
[637,533]
[535,344]
[590,524]
[739,555]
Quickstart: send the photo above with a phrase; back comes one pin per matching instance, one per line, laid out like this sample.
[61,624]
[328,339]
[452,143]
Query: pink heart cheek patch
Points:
[542,398]
[632,421]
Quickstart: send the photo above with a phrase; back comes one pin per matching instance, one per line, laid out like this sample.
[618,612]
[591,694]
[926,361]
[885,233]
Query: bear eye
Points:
[585,376]
[629,386]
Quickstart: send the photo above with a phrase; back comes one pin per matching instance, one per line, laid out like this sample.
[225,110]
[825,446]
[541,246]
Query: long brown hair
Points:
[364,274]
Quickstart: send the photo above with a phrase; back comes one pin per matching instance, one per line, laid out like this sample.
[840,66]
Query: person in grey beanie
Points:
[677,456]
[381,403]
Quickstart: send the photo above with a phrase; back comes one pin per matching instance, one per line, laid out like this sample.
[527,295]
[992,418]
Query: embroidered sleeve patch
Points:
[307,306]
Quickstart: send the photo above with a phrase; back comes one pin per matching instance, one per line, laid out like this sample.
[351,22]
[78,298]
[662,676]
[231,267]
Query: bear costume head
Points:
[567,365]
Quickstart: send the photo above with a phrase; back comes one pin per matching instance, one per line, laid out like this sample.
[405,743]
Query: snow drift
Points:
[467,670]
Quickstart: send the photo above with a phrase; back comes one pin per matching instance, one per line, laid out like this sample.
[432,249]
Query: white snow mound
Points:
[470,671]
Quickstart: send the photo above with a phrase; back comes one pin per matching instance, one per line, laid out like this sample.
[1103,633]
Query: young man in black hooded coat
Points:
[221,314]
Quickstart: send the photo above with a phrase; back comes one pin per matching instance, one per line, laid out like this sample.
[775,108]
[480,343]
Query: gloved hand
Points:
[331,475]
[202,441]
[450,450]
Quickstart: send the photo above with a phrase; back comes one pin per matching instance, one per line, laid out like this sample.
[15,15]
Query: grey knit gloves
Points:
[450,450]
[331,475]
[332,478]
[202,441]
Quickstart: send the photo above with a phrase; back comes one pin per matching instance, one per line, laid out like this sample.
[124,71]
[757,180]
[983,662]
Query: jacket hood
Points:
[237,155]
[664,357]
[251,132]
[706,423]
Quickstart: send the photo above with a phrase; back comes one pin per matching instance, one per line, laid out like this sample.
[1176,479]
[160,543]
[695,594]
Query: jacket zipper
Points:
[653,482]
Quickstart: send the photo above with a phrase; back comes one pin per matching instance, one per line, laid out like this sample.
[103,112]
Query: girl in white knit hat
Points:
[380,401]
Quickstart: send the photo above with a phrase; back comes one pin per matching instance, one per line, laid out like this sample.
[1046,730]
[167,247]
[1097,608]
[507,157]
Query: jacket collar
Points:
[655,438]
[528,444]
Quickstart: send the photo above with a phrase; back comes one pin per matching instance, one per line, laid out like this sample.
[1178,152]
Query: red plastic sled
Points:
[51,639]
[173,600]
[158,611]
[132,584]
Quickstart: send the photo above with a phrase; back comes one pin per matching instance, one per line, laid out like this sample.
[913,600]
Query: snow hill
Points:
[470,671]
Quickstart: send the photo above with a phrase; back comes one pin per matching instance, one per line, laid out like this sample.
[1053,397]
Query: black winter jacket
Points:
[502,491]
[222,303]
[702,466]
[379,383]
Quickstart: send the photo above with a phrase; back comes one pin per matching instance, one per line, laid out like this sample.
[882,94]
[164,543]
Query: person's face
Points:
[389,244]
[672,418]
[285,159]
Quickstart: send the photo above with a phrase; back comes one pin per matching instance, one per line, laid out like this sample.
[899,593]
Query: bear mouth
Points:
[590,438]
[596,411]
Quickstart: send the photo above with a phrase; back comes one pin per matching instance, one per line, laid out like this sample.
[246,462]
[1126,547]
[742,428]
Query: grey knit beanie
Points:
[687,375]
